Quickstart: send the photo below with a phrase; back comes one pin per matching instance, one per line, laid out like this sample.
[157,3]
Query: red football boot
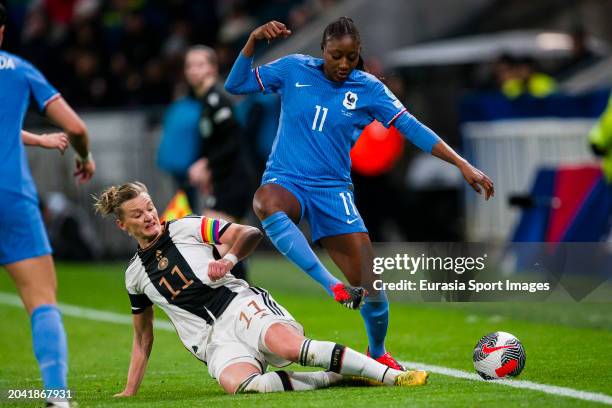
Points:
[349,296]
[388,360]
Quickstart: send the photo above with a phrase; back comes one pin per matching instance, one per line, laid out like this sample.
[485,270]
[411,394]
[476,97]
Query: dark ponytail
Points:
[338,29]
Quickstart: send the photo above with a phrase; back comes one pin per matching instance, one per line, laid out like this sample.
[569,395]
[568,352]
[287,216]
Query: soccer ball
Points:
[498,355]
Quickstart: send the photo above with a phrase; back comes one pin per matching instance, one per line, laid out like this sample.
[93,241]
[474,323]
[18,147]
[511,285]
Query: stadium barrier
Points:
[511,139]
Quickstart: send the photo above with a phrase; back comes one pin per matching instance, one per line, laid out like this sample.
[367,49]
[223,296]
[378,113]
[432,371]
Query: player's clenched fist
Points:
[271,31]
[218,269]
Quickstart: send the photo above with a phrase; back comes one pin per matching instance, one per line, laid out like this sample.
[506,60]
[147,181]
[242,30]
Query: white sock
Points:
[303,381]
[276,381]
[345,361]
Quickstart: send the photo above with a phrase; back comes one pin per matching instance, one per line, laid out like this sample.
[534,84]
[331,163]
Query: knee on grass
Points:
[233,376]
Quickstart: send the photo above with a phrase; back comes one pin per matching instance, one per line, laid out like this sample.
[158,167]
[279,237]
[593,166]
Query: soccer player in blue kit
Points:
[24,247]
[326,103]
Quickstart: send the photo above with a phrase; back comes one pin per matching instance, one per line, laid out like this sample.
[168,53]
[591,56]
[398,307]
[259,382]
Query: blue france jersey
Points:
[321,119]
[18,81]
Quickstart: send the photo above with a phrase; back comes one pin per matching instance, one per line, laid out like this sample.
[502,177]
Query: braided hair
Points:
[338,29]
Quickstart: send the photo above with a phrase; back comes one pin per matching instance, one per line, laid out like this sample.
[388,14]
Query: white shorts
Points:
[238,335]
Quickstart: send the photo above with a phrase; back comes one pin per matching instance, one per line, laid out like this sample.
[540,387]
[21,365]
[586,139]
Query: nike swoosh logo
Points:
[298,85]
[488,350]
[351,221]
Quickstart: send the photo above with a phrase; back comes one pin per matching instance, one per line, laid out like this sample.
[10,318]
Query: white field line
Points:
[526,385]
[10,299]
[86,313]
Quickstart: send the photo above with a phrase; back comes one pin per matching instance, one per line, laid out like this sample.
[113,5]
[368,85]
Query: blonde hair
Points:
[111,199]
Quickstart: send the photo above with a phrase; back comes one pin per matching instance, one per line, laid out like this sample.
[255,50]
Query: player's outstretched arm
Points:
[65,117]
[242,79]
[427,140]
[473,176]
[242,239]
[141,350]
[58,140]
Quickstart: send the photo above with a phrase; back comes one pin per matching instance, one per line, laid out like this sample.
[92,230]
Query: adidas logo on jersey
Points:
[6,63]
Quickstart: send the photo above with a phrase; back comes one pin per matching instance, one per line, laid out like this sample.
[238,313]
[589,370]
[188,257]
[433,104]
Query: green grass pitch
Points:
[567,345]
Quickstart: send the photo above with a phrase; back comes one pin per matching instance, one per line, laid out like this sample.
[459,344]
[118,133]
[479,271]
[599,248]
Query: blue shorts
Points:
[329,210]
[22,232]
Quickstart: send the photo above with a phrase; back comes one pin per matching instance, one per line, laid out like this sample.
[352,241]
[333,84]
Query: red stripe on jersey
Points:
[395,117]
[261,85]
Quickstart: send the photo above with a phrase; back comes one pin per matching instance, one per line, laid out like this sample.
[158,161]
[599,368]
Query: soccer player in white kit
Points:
[184,267]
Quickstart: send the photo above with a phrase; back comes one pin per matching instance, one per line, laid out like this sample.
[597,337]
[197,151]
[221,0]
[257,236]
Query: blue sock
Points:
[375,313]
[49,341]
[290,241]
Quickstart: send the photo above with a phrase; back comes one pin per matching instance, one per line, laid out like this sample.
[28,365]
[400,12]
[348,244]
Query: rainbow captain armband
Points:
[211,230]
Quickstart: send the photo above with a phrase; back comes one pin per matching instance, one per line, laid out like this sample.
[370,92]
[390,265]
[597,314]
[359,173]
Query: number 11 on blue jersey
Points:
[314,122]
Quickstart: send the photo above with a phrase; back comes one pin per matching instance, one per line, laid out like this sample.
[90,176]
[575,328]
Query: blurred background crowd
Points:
[516,86]
[130,52]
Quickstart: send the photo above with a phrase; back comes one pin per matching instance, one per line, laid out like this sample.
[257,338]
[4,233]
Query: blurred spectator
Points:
[181,144]
[133,49]
[237,25]
[85,33]
[90,87]
[519,76]
[600,139]
[138,41]
[60,11]
[220,173]
[38,45]
[177,42]
[156,87]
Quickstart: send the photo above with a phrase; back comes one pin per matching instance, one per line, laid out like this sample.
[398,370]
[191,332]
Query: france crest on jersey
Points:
[321,119]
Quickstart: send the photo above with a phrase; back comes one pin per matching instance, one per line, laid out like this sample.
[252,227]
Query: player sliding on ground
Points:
[184,267]
[325,104]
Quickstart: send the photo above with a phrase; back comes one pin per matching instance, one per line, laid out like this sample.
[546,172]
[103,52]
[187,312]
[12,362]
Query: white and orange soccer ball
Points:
[498,355]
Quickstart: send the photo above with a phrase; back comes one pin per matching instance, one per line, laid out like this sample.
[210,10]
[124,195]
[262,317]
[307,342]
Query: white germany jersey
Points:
[172,272]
